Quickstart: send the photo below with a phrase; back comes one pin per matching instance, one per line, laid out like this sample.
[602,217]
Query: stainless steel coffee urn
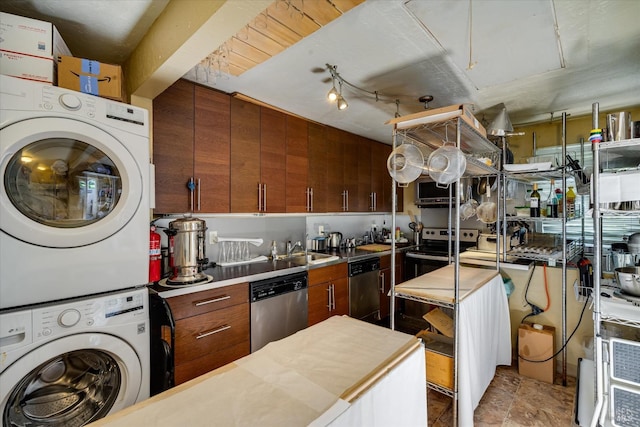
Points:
[187,247]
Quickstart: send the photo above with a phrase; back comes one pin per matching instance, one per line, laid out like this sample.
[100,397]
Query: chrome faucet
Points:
[291,248]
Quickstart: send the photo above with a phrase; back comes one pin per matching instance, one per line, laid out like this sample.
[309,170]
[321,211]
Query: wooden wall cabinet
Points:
[317,189]
[297,165]
[191,143]
[273,161]
[328,292]
[245,158]
[211,330]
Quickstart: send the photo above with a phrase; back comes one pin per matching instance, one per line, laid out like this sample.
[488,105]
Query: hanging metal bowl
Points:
[446,164]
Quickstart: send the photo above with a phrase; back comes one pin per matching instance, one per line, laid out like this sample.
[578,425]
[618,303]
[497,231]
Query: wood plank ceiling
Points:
[281,25]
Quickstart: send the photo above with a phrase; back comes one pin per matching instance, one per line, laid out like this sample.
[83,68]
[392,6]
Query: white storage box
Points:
[27,67]
[30,37]
[28,48]
[619,186]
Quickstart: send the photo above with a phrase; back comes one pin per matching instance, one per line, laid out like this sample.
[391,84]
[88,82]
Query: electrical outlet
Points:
[213,237]
[320,229]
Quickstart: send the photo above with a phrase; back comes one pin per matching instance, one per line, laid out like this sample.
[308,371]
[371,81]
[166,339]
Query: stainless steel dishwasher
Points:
[279,308]
[364,289]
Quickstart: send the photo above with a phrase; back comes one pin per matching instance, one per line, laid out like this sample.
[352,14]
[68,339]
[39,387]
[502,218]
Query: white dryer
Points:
[74,198]
[73,363]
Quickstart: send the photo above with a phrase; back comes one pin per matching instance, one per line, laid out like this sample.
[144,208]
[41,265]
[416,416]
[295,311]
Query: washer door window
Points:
[69,185]
[74,388]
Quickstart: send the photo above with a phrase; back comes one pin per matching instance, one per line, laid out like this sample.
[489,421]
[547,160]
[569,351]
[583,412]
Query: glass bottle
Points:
[534,202]
[571,203]
[558,192]
[552,201]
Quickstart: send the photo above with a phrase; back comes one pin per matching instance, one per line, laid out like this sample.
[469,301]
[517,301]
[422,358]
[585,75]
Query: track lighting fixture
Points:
[341,102]
[333,93]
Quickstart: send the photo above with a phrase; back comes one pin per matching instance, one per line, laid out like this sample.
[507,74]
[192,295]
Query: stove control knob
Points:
[69,318]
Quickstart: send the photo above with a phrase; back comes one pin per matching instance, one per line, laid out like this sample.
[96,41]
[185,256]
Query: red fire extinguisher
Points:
[155,256]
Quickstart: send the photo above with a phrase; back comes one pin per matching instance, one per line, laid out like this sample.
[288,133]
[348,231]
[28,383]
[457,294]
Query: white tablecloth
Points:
[485,328]
[341,372]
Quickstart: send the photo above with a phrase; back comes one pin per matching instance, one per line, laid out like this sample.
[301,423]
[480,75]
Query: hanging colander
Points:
[405,163]
[446,164]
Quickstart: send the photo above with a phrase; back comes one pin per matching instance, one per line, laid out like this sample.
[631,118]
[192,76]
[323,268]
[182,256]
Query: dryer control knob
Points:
[69,318]
[70,102]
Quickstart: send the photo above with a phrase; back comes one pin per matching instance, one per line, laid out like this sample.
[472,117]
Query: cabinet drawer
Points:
[202,365]
[327,274]
[198,336]
[206,301]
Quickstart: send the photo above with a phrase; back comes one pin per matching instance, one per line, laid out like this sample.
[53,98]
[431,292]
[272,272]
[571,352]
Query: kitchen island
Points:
[340,372]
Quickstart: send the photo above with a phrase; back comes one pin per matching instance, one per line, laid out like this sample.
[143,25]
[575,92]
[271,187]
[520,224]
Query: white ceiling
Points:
[538,57]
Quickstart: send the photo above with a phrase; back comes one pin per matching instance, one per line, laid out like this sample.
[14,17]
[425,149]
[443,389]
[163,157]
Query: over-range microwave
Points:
[429,194]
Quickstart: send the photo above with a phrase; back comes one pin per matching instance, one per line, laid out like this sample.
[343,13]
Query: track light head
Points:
[342,103]
[333,94]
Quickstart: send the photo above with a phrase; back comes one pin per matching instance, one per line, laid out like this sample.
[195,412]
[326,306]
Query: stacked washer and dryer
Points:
[74,242]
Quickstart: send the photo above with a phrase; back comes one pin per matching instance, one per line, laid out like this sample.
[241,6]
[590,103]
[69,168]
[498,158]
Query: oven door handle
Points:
[428,257]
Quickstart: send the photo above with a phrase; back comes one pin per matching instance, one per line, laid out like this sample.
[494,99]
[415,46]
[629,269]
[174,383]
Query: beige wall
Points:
[518,309]
[550,133]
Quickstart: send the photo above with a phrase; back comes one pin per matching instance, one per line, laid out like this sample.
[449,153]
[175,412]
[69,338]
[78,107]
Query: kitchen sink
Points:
[312,258]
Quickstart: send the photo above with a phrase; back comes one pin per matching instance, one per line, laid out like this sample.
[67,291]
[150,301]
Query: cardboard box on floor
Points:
[536,343]
[92,77]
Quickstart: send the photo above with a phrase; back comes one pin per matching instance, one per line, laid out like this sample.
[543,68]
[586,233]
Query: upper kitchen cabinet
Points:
[245,156]
[351,164]
[173,151]
[335,173]
[318,168]
[272,186]
[381,189]
[297,159]
[191,149]
[212,149]
[366,199]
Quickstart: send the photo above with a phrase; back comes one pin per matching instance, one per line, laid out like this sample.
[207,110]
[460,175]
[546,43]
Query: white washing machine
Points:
[74,199]
[73,363]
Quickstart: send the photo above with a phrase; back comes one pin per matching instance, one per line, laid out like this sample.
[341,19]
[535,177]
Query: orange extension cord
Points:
[546,287]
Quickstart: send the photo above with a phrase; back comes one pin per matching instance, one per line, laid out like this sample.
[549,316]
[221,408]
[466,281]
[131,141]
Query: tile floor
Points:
[513,400]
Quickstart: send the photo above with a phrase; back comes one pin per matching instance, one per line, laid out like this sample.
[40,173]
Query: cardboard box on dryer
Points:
[92,77]
[28,48]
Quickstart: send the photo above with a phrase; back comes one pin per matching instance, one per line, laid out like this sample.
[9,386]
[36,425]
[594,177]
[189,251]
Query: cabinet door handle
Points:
[264,197]
[213,331]
[329,297]
[371,202]
[375,201]
[259,197]
[210,301]
[311,197]
[382,279]
[191,186]
[347,199]
[199,186]
[333,295]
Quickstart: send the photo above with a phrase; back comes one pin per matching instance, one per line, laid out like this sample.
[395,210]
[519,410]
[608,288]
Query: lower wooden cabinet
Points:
[385,281]
[211,330]
[328,292]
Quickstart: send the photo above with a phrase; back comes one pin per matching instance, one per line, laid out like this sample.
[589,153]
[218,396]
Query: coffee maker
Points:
[187,257]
